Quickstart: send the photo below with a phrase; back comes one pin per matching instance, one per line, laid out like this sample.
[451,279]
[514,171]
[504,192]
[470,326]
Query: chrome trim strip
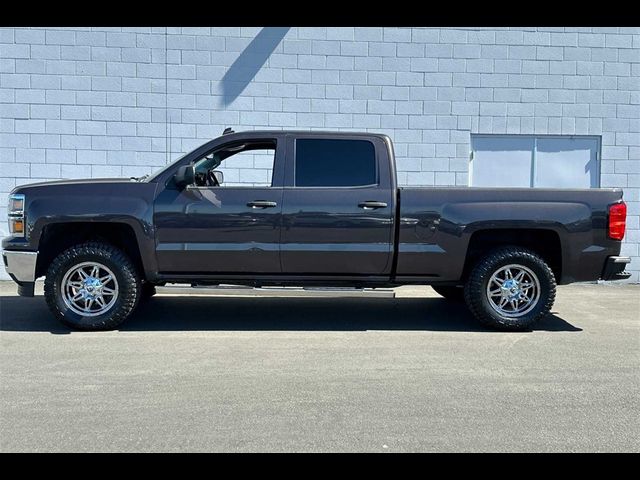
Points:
[420,248]
[21,265]
[274,247]
[621,259]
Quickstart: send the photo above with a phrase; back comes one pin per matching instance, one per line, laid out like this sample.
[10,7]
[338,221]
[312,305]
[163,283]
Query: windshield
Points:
[204,164]
[213,159]
[155,175]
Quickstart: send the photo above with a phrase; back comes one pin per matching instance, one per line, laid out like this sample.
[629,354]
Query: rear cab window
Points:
[323,162]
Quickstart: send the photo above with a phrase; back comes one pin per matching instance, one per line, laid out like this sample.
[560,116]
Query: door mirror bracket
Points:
[185,175]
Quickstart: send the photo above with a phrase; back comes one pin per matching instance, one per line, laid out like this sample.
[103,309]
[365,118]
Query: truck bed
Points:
[436,225]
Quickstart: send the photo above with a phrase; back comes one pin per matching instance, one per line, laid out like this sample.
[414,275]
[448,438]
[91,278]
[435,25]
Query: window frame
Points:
[293,150]
[276,172]
[535,138]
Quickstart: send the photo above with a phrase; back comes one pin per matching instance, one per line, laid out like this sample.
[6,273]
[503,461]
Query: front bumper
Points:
[20,265]
[614,268]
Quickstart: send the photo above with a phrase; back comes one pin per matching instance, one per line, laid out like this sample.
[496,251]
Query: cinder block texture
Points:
[77,102]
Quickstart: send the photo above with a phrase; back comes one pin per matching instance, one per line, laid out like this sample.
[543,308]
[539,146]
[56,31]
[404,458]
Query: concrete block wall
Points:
[96,102]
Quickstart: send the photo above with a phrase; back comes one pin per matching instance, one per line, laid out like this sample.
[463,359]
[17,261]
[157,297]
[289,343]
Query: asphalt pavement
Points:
[411,373]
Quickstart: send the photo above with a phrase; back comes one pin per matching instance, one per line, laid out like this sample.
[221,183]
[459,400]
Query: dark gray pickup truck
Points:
[331,216]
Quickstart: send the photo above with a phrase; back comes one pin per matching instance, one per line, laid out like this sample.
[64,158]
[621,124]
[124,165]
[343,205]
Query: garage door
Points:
[535,161]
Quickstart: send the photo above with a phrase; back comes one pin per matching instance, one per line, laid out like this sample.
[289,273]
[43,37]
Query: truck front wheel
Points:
[92,286]
[510,289]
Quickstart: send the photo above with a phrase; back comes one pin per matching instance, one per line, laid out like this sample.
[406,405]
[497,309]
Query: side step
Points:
[239,290]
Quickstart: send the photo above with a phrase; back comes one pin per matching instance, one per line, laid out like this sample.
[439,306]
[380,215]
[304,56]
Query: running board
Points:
[239,290]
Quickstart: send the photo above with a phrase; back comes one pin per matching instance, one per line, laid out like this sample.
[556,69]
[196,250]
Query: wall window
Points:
[535,161]
[334,163]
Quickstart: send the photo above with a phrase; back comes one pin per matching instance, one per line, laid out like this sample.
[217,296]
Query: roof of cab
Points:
[306,133]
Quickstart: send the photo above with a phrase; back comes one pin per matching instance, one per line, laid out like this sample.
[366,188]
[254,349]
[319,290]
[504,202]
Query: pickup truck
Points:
[331,215]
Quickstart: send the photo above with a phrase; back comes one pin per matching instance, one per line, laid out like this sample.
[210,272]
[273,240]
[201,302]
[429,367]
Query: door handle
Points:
[261,204]
[371,205]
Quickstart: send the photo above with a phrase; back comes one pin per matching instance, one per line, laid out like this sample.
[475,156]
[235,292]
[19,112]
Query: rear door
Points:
[338,206]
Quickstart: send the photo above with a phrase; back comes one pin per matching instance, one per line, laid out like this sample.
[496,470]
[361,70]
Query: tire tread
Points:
[473,294]
[129,296]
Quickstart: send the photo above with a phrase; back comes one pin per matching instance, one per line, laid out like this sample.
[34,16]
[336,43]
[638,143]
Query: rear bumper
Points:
[614,268]
[21,266]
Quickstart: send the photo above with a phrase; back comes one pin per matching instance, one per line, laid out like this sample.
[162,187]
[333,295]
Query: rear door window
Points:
[334,163]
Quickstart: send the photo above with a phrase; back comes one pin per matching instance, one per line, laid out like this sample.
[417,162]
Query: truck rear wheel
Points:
[92,286]
[510,289]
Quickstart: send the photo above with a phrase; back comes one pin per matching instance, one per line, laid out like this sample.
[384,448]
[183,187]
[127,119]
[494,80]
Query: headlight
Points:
[16,215]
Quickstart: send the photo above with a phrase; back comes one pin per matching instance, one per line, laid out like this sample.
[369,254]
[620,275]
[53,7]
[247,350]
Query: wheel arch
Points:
[57,237]
[545,242]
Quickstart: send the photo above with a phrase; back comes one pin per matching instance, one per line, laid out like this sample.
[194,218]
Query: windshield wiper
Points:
[140,179]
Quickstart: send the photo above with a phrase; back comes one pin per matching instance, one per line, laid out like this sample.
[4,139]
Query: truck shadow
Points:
[189,313]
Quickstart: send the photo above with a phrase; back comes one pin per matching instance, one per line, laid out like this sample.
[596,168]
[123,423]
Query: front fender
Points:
[123,203]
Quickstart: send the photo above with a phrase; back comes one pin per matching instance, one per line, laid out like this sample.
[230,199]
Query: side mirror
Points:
[219,176]
[185,175]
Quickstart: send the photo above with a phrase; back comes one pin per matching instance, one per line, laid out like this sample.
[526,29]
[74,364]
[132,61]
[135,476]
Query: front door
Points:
[232,227]
[338,209]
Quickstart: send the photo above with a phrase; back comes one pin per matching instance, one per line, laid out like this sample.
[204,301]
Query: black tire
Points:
[128,281]
[477,298]
[455,294]
[147,291]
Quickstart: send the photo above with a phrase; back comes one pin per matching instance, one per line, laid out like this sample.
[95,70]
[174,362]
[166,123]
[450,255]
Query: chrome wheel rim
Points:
[513,290]
[89,289]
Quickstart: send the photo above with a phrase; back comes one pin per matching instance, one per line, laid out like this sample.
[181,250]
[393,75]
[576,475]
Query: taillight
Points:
[617,220]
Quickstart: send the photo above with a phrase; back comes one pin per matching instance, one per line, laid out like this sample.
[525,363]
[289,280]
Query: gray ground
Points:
[414,373]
